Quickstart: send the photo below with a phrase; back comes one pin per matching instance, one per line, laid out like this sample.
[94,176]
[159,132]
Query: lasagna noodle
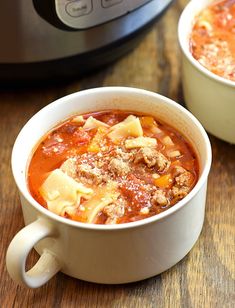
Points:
[104,196]
[93,123]
[62,193]
[129,127]
[140,142]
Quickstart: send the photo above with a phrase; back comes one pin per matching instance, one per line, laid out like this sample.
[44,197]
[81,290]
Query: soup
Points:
[111,167]
[212,41]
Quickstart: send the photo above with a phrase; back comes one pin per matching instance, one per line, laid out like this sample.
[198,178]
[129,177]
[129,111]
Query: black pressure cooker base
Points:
[18,74]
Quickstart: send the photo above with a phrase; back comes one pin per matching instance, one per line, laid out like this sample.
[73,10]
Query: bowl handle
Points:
[19,248]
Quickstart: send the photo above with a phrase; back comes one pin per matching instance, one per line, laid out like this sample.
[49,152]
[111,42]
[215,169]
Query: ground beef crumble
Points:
[117,164]
[152,157]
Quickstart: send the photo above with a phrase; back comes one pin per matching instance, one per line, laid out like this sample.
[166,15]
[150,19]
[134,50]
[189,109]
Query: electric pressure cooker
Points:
[60,38]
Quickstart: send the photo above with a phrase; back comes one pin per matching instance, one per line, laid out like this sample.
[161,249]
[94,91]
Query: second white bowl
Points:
[209,97]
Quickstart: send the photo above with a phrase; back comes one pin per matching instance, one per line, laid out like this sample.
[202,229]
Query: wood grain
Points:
[205,277]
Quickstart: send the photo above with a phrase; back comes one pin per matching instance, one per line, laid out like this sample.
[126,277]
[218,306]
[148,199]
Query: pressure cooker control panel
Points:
[82,14]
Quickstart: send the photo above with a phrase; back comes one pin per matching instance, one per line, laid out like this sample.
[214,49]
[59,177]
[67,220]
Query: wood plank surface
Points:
[205,277]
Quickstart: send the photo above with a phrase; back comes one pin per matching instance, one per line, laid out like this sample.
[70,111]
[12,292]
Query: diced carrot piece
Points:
[97,141]
[163,181]
[147,121]
[150,123]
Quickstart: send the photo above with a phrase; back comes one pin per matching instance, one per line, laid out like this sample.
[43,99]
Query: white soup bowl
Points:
[209,97]
[108,254]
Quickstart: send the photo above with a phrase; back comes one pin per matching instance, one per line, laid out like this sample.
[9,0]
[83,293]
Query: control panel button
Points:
[108,3]
[83,14]
[78,8]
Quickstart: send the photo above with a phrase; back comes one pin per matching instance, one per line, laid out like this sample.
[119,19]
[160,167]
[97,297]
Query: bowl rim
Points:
[22,185]
[188,15]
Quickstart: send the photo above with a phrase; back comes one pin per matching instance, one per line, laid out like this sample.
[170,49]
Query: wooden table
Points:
[205,277]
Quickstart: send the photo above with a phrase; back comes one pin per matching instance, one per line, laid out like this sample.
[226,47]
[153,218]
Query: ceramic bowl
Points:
[108,254]
[209,97]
